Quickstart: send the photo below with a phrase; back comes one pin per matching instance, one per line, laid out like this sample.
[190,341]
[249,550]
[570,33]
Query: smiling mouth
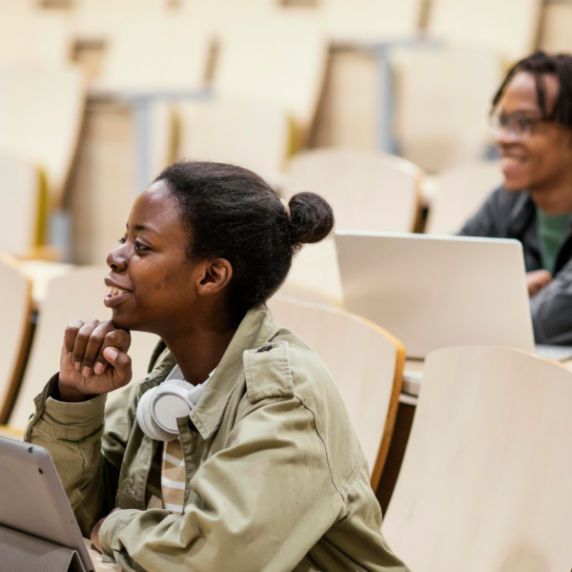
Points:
[507,162]
[115,296]
[113,291]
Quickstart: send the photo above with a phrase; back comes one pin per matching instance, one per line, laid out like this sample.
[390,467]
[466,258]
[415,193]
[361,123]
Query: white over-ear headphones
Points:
[160,407]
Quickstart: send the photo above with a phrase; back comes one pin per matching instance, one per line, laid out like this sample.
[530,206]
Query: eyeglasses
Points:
[514,125]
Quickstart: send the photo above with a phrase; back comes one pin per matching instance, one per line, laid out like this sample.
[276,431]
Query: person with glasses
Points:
[532,125]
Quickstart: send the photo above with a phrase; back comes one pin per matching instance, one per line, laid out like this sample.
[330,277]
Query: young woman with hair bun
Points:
[235,453]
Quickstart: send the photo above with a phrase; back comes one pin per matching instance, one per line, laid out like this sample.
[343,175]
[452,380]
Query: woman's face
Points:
[151,278]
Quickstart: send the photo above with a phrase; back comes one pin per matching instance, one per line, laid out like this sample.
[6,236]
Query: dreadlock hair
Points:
[233,213]
[539,64]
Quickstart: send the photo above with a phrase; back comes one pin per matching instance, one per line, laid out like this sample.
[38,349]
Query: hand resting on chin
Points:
[93,360]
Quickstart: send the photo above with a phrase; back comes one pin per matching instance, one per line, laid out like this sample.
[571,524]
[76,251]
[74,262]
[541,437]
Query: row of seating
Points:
[386,191]
[487,418]
[508,27]
[172,53]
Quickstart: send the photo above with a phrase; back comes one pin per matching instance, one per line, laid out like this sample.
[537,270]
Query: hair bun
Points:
[311,218]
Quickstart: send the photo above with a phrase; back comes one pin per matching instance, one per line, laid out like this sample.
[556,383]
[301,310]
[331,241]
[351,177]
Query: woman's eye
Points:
[122,240]
[139,247]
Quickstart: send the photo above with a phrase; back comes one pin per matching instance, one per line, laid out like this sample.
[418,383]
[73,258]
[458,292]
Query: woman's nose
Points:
[117,259]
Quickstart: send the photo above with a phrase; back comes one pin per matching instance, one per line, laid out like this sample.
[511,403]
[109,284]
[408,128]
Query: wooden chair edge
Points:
[23,353]
[400,355]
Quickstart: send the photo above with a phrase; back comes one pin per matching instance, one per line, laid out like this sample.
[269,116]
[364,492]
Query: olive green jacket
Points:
[276,478]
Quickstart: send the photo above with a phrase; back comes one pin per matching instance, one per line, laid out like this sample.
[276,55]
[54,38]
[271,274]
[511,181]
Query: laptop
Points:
[434,292]
[38,529]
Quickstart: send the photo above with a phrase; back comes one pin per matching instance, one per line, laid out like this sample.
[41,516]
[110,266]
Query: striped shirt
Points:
[168,477]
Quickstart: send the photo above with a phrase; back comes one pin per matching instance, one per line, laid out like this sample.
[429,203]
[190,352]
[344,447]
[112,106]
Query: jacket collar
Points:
[256,328]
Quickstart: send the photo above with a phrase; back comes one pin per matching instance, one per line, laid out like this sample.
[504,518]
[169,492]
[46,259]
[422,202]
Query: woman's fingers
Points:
[81,342]
[70,335]
[121,363]
[94,346]
[91,347]
[119,339]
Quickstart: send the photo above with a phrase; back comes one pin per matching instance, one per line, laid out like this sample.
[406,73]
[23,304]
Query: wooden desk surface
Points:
[413,375]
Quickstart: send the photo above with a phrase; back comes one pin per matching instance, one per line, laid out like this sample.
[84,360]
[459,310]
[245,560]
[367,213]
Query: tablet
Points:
[33,500]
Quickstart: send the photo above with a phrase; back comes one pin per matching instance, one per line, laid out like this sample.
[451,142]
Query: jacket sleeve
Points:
[87,461]
[551,310]
[485,222]
[273,469]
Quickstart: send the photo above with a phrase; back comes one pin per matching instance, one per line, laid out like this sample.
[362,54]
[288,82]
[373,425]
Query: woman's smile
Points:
[115,294]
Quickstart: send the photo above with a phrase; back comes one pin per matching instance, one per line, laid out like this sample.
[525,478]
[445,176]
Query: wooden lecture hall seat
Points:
[250,133]
[555,34]
[460,192]
[19,200]
[366,363]
[32,36]
[77,295]
[384,197]
[364,20]
[41,110]
[280,59]
[507,27]
[15,319]
[156,55]
[485,482]
[100,20]
[443,99]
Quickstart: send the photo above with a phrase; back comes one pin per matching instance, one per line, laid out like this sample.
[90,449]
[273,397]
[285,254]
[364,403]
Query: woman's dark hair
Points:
[233,213]
[539,64]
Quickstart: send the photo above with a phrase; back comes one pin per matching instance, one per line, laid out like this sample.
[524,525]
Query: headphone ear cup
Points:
[146,421]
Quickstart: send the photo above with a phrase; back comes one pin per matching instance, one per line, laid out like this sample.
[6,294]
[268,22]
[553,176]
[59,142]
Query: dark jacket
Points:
[513,215]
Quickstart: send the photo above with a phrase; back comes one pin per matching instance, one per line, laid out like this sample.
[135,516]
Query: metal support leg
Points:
[386,109]
[59,234]
[143,135]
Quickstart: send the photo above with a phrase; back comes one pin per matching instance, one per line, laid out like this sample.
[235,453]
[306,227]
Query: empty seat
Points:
[15,329]
[41,109]
[279,59]
[556,25]
[32,36]
[100,20]
[77,295]
[368,190]
[485,482]
[365,362]
[155,54]
[460,192]
[252,134]
[371,20]
[443,101]
[508,27]
[20,205]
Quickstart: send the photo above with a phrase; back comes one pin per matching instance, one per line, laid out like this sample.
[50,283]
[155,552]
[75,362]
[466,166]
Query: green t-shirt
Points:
[551,232]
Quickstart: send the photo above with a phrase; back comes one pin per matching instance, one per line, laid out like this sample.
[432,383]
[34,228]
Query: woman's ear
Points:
[215,277]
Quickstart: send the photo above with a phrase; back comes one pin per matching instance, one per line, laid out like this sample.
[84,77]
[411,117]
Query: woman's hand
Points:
[94,536]
[93,360]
